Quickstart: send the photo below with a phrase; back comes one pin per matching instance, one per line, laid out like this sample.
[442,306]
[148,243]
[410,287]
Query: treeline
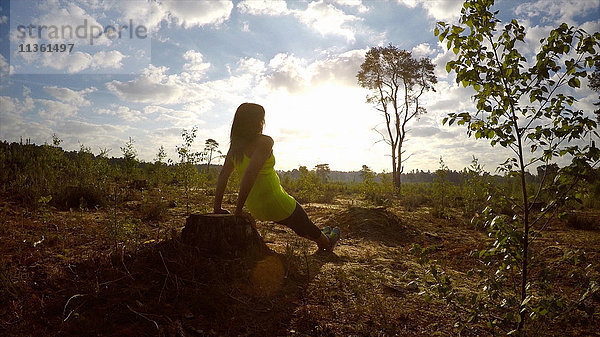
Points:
[415,176]
[37,175]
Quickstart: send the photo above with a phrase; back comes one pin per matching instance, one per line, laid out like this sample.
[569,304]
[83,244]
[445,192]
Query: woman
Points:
[251,154]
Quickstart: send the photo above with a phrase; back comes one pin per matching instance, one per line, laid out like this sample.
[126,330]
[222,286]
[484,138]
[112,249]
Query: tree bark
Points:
[223,234]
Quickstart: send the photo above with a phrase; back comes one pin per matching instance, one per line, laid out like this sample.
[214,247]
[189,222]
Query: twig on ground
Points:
[123,262]
[67,304]
[166,277]
[143,316]
[108,282]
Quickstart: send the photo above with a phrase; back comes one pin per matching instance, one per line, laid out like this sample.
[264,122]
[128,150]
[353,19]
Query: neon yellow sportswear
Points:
[267,200]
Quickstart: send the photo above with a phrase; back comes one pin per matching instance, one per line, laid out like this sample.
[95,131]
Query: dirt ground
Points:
[61,275]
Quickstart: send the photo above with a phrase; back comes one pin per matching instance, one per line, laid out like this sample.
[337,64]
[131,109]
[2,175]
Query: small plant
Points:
[307,186]
[153,208]
[475,191]
[130,161]
[186,167]
[373,190]
[441,192]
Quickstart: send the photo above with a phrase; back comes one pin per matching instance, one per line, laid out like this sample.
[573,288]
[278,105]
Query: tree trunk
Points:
[395,175]
[399,169]
[223,234]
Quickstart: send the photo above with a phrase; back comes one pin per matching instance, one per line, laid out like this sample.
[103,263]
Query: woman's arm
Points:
[222,183]
[263,151]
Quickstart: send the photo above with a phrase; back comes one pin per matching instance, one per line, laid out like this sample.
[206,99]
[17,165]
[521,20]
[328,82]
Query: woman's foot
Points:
[333,236]
[328,238]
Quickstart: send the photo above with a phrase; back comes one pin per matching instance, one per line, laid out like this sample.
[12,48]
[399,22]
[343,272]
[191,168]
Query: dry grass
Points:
[62,275]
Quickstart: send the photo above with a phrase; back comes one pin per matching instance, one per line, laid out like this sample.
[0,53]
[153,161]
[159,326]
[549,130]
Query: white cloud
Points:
[198,13]
[5,68]
[13,126]
[321,16]
[78,128]
[186,13]
[10,105]
[327,19]
[79,61]
[71,15]
[123,112]
[148,13]
[357,4]
[251,66]
[296,75]
[107,59]
[69,96]
[441,59]
[422,50]
[179,118]
[195,68]
[72,62]
[154,86]
[340,68]
[263,7]
[288,72]
[444,10]
[557,11]
[16,106]
[55,110]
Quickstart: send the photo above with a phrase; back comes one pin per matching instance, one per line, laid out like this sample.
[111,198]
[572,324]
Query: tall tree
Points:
[322,171]
[397,81]
[527,108]
[210,148]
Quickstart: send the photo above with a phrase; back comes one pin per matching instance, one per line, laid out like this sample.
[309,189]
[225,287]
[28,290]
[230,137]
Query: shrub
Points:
[380,192]
[153,209]
[580,220]
[415,195]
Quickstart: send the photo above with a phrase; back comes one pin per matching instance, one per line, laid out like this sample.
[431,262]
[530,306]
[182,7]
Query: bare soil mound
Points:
[373,224]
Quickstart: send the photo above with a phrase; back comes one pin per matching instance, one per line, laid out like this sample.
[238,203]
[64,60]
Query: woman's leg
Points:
[303,226]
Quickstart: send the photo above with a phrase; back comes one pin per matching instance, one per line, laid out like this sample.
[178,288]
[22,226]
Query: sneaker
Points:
[334,236]
[326,230]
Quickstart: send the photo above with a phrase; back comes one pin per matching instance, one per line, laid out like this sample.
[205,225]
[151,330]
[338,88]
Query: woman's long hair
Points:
[247,125]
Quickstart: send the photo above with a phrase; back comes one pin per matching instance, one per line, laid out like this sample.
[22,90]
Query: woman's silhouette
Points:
[251,154]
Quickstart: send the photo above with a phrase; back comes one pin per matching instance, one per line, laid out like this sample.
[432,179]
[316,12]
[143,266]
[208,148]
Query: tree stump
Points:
[223,234]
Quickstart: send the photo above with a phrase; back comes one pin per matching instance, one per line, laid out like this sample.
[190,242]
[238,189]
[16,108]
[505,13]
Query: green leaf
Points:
[574,82]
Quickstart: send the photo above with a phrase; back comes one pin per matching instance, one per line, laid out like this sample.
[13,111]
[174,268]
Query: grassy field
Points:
[69,273]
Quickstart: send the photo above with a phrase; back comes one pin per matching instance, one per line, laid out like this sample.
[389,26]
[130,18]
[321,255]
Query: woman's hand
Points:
[238,212]
[221,211]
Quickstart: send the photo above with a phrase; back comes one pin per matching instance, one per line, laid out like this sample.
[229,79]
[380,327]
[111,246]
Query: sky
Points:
[191,63]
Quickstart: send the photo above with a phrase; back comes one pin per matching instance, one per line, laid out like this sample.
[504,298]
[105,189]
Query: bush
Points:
[582,221]
[79,197]
[380,192]
[153,209]
[415,195]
